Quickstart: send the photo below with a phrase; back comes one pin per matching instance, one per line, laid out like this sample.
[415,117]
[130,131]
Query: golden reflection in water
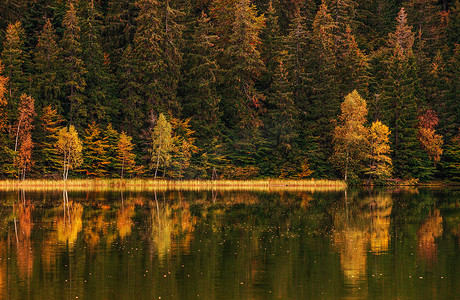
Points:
[381,206]
[360,227]
[25,256]
[430,229]
[69,223]
[124,221]
[172,227]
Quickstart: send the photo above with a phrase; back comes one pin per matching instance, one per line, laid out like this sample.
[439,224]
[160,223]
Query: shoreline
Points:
[186,185]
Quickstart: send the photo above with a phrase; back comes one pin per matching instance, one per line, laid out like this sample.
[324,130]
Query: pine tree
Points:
[95,147]
[172,48]
[149,56]
[400,103]
[119,29]
[450,162]
[296,43]
[13,60]
[272,45]
[244,66]
[201,100]
[112,137]
[132,114]
[183,148]
[73,69]
[323,94]
[47,81]
[343,12]
[98,99]
[48,161]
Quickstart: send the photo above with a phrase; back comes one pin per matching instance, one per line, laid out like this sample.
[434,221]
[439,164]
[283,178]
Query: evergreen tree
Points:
[98,99]
[94,152]
[282,124]
[73,69]
[149,55]
[183,148]
[48,161]
[450,163]
[112,137]
[272,45]
[400,103]
[47,79]
[13,60]
[119,29]
[201,100]
[243,67]
[296,43]
[172,49]
[132,113]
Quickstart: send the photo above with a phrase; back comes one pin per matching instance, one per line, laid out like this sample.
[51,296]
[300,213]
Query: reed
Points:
[162,185]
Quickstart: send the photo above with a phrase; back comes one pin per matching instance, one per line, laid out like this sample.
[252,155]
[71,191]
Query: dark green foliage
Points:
[261,81]
[73,68]
[48,62]
[450,160]
[201,101]
[98,92]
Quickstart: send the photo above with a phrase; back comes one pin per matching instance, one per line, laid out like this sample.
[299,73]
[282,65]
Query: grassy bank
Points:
[191,185]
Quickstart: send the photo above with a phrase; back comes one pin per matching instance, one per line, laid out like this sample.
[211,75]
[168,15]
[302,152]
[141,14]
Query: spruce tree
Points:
[149,55]
[201,100]
[48,63]
[48,161]
[400,104]
[13,59]
[95,146]
[73,69]
[98,99]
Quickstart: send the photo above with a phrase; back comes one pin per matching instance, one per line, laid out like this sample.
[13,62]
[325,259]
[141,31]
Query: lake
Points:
[360,244]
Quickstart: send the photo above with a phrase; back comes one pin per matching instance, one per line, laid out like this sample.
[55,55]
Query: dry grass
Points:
[162,185]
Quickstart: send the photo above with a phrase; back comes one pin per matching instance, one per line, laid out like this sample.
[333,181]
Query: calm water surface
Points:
[378,244]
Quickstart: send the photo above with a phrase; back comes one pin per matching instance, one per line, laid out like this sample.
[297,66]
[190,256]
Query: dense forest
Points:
[365,90]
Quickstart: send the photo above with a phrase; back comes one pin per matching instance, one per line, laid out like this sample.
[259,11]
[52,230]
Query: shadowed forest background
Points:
[366,89]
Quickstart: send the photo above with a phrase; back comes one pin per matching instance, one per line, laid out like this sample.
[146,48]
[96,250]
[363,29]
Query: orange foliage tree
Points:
[24,136]
[125,155]
[431,142]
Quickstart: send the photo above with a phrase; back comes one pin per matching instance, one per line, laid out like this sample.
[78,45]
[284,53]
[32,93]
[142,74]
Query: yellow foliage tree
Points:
[70,147]
[125,155]
[379,151]
[350,136]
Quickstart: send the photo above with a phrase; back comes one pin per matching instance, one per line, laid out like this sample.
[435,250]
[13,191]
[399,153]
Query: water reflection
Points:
[229,245]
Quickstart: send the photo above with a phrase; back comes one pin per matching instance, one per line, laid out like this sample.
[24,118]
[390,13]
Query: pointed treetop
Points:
[402,39]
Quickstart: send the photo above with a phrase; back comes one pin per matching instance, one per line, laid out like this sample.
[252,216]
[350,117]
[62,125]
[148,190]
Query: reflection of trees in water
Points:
[172,226]
[124,220]
[25,257]
[69,224]
[430,229]
[360,226]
